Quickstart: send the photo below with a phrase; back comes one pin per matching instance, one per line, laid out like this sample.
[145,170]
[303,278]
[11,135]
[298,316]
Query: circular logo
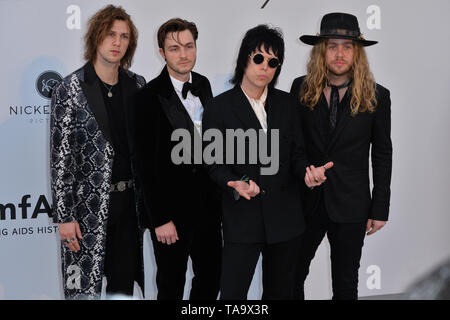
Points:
[45,83]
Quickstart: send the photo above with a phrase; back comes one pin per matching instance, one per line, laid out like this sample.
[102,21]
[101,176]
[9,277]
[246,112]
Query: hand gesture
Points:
[246,190]
[316,176]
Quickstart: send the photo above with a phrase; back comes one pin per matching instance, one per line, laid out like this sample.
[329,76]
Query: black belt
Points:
[121,186]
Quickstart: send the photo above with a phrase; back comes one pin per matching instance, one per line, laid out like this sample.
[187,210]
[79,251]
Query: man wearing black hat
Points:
[344,113]
[183,207]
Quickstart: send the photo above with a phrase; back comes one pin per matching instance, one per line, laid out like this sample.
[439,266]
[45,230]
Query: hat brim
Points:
[313,40]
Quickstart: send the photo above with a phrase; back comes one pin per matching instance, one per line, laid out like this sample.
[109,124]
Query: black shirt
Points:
[324,111]
[116,117]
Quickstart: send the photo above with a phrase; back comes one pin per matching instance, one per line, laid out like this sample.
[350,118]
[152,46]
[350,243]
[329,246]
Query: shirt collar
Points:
[261,99]
[177,84]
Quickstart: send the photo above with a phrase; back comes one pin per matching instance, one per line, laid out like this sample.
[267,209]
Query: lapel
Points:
[243,109]
[94,97]
[273,111]
[345,117]
[171,104]
[129,88]
[205,90]
[174,109]
[318,126]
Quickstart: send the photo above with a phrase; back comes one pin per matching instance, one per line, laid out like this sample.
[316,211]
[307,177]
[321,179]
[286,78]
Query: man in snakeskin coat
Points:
[96,198]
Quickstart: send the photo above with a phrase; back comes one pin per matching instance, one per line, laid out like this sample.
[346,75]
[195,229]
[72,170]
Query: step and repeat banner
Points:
[42,42]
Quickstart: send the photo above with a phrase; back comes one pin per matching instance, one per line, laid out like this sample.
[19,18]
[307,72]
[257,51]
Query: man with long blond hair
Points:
[344,113]
[94,188]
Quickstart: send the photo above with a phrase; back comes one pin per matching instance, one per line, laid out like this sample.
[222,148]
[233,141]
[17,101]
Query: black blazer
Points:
[347,190]
[182,193]
[275,215]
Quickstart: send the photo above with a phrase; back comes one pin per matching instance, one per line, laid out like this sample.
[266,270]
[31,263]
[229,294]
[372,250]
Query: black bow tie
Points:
[187,86]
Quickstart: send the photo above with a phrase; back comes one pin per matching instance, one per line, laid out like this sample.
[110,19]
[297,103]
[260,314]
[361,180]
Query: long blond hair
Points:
[363,83]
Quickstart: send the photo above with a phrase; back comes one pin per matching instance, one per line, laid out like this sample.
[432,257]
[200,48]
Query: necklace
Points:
[345,84]
[109,89]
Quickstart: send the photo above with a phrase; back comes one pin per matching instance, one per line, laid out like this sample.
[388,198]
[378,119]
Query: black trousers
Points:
[346,242]
[278,268]
[203,243]
[122,244]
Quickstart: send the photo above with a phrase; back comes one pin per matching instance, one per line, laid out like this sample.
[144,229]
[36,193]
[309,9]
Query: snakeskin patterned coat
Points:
[81,160]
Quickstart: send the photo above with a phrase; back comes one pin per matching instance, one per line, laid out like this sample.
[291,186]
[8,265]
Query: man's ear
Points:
[161,52]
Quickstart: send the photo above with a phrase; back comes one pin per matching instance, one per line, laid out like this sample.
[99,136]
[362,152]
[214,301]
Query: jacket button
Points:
[263,192]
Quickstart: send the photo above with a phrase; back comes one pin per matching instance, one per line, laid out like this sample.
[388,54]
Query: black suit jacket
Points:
[181,193]
[275,215]
[347,190]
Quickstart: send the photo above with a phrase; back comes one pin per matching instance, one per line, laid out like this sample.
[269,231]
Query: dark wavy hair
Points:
[99,25]
[261,36]
[175,25]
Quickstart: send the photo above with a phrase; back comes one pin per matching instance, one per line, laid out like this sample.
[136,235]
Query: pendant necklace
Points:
[109,89]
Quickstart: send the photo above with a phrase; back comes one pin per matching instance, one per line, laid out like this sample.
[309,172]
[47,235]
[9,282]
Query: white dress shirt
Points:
[192,104]
[258,108]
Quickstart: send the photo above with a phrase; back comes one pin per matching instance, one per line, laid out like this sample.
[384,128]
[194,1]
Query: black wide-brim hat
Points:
[338,25]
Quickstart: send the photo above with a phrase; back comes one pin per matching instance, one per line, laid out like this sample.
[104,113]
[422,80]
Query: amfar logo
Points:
[41,206]
[46,81]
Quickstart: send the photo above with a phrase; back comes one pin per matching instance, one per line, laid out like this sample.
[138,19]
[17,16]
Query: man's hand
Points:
[316,176]
[167,233]
[246,190]
[374,225]
[68,233]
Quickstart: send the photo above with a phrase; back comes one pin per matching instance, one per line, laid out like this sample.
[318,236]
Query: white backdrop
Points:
[411,60]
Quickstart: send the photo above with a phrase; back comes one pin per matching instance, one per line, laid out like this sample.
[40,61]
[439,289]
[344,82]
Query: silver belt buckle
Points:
[121,186]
